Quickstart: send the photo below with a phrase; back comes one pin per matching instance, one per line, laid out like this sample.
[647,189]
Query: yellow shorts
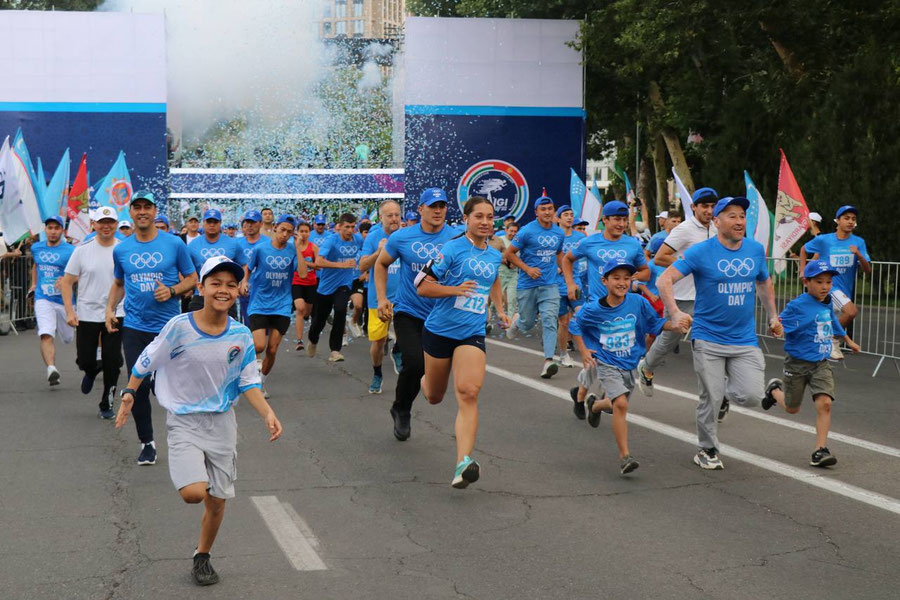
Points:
[378,330]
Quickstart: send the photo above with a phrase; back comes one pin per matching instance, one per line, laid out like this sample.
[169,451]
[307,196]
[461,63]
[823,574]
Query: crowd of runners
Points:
[212,309]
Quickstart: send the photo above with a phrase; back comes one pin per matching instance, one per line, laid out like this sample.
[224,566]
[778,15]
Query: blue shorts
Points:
[439,346]
[566,306]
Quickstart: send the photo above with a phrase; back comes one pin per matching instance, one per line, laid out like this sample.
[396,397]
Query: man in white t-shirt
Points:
[693,230]
[91,266]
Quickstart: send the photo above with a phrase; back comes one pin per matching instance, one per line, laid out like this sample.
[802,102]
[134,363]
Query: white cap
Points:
[125,223]
[814,216]
[221,263]
[663,215]
[104,212]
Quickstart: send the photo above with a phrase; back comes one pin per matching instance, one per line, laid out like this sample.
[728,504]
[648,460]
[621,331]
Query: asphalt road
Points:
[376,518]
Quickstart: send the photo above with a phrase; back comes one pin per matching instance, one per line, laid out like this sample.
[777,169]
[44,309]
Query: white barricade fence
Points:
[16,308]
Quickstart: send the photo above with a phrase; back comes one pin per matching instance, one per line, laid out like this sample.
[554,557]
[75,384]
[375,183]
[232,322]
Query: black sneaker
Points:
[570,346]
[147,455]
[723,410]
[401,425]
[203,572]
[768,400]
[822,458]
[593,418]
[708,458]
[87,382]
[629,464]
[578,409]
[300,347]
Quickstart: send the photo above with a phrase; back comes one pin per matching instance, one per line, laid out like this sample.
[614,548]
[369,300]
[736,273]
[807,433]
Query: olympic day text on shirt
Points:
[414,248]
[50,262]
[538,247]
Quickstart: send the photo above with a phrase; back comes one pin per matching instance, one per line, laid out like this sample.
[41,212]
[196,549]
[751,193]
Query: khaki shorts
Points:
[203,448]
[378,329]
[798,374]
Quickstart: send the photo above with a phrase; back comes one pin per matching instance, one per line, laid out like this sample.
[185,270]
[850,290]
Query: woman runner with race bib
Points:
[461,278]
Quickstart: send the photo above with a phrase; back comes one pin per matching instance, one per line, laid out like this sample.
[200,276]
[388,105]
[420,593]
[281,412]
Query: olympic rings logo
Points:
[480,268]
[278,262]
[348,250]
[736,267]
[547,240]
[426,250]
[210,252]
[248,252]
[569,246]
[46,257]
[606,254]
[145,260]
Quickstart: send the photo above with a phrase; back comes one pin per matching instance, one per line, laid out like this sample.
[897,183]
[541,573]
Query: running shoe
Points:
[570,346]
[87,382]
[106,414]
[822,458]
[708,458]
[723,410]
[397,359]
[107,405]
[401,425]
[52,375]
[311,350]
[549,369]
[265,391]
[566,360]
[511,330]
[300,346]
[467,471]
[355,330]
[593,418]
[836,353]
[375,386]
[629,464]
[645,382]
[488,328]
[578,408]
[335,356]
[202,571]
[147,455]
[769,401]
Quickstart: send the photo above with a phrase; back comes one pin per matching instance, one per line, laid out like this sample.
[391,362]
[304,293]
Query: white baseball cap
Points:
[814,216]
[221,263]
[663,215]
[124,223]
[104,212]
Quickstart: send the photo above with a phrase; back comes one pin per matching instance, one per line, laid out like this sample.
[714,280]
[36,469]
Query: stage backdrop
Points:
[495,108]
[92,82]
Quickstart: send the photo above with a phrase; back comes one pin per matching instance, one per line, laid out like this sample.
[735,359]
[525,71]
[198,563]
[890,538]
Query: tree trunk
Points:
[788,59]
[645,186]
[662,173]
[670,136]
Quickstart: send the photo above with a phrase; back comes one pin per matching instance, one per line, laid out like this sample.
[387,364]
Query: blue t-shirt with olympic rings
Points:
[538,247]
[598,250]
[337,249]
[570,242]
[271,272]
[201,249]
[414,248]
[50,263]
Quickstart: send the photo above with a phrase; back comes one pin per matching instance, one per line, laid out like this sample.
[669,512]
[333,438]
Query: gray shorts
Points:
[613,381]
[203,447]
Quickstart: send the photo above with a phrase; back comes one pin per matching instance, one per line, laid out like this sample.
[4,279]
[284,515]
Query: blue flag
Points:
[114,190]
[56,192]
[21,150]
[577,190]
[753,209]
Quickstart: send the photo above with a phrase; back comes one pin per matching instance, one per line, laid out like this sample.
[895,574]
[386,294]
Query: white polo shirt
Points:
[685,235]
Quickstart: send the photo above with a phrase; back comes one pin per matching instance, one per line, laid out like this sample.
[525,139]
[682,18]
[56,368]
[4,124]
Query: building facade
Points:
[371,19]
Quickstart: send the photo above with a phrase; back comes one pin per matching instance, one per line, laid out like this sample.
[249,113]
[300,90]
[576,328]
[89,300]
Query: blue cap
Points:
[56,219]
[162,219]
[320,220]
[212,213]
[617,263]
[729,201]
[432,195]
[656,243]
[411,215]
[817,267]
[562,209]
[845,209]
[230,226]
[221,263]
[252,215]
[615,209]
[705,195]
[285,218]
[143,195]
[580,223]
[543,199]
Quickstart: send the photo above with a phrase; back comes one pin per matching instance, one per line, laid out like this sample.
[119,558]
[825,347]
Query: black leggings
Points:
[409,335]
[87,335]
[338,300]
[134,341]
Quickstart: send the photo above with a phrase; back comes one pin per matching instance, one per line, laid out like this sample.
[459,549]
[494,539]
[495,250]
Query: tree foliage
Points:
[818,78]
[84,5]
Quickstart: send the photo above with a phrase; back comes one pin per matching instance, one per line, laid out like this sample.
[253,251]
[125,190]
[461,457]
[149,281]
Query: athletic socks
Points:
[377,370]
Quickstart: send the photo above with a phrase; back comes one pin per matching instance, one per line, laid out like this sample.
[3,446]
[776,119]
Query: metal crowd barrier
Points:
[877,325]
[16,308]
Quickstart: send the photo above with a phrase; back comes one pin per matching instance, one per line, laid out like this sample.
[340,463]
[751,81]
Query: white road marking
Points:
[756,414]
[843,489]
[290,532]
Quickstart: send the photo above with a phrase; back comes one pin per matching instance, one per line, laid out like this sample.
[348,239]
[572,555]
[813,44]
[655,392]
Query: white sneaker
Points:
[52,375]
[511,330]
[355,330]
[335,357]
[566,360]
[345,341]
[836,353]
[549,370]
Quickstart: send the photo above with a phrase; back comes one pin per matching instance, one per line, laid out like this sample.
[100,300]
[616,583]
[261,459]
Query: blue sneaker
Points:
[375,386]
[467,471]
[397,359]
[147,455]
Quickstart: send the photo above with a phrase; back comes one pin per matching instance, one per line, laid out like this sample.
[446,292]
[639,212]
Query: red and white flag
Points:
[791,214]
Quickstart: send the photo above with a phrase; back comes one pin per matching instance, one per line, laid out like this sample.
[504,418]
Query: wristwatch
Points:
[127,391]
[172,291]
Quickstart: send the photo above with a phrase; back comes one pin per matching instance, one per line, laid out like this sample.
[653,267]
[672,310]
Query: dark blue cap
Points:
[562,209]
[543,199]
[729,201]
[252,215]
[411,215]
[845,209]
[162,219]
[617,263]
[432,195]
[212,214]
[320,220]
[580,223]
[56,219]
[705,195]
[286,219]
[615,209]
[817,267]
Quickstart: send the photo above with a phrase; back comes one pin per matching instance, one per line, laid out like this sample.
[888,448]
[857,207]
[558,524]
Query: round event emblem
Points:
[498,181]
[120,193]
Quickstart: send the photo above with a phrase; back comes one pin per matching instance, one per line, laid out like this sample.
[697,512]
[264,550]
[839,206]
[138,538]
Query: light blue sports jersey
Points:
[809,327]
[245,249]
[370,245]
[271,273]
[197,372]
[413,248]
[726,290]
[461,317]
[202,249]
[337,249]
[319,238]
[838,256]
[569,243]
[51,265]
[538,247]
[597,249]
[141,265]
[615,335]
[655,272]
